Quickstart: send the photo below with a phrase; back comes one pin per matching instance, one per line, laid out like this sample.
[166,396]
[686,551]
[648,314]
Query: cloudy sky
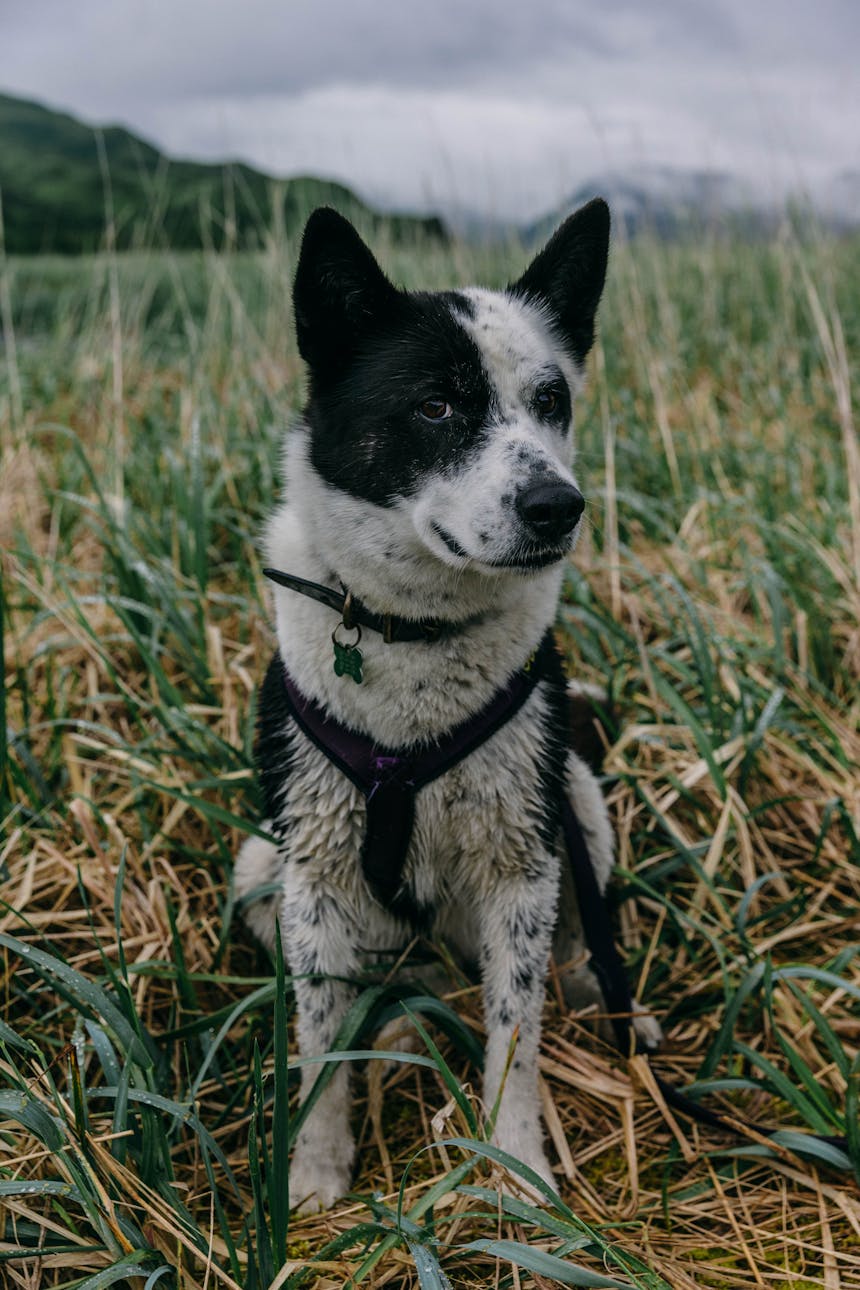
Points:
[480,104]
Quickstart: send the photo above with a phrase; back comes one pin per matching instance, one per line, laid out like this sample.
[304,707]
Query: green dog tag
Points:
[348,661]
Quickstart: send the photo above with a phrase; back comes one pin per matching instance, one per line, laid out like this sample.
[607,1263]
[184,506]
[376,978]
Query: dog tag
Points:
[347,656]
[348,661]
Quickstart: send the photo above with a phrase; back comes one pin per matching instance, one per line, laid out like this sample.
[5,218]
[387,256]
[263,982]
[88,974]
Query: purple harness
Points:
[390,778]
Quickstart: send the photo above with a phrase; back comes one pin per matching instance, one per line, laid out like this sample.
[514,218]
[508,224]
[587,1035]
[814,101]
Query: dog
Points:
[431,482]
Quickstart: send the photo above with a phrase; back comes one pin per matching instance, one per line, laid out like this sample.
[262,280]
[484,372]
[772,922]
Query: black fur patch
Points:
[367,435]
[273,748]
[375,353]
[587,717]
[418,917]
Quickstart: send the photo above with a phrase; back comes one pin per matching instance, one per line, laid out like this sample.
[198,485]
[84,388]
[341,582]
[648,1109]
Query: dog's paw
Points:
[581,991]
[647,1028]
[317,1184]
[526,1146]
[536,1161]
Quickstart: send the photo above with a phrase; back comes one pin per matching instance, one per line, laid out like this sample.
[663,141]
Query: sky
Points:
[471,105]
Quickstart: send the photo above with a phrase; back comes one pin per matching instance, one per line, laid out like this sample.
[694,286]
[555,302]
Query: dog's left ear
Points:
[567,276]
[339,290]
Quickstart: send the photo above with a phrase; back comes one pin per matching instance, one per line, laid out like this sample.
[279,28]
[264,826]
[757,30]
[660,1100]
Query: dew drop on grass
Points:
[79,1040]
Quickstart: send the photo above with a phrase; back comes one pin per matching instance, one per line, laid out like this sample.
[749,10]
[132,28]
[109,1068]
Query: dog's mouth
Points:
[531,559]
[451,543]
[524,560]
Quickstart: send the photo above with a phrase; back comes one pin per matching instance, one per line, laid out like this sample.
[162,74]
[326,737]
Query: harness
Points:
[390,779]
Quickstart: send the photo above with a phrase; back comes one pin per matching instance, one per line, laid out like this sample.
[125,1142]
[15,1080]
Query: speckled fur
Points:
[476,858]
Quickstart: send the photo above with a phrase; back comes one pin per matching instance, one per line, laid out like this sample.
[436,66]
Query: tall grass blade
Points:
[279,1187]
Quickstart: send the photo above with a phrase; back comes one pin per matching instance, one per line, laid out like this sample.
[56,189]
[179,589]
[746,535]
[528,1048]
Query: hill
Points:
[53,191]
[671,201]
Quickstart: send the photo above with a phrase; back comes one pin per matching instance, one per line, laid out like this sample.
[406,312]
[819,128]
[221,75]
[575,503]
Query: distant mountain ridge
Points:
[54,197]
[671,201]
[667,200]
[662,198]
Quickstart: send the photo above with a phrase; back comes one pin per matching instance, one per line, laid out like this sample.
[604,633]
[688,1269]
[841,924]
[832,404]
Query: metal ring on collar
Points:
[352,644]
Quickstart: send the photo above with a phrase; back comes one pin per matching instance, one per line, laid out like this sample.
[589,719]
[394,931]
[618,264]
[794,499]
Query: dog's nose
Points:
[551,509]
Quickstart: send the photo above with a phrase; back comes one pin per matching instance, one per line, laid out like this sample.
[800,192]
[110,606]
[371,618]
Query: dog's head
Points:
[452,410]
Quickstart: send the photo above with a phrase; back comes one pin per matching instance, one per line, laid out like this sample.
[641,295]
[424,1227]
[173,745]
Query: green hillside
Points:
[53,192]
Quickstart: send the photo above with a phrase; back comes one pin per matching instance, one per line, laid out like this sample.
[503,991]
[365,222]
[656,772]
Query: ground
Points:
[717,595]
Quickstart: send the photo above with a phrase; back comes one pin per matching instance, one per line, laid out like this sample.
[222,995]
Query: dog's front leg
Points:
[320,932]
[517,921]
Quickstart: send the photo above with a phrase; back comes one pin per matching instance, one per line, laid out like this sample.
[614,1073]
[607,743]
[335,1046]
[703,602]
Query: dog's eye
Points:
[435,410]
[546,402]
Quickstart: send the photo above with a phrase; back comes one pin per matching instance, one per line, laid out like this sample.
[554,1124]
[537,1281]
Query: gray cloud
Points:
[477,104]
[265,47]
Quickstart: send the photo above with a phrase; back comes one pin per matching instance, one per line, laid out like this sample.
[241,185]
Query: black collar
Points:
[354,614]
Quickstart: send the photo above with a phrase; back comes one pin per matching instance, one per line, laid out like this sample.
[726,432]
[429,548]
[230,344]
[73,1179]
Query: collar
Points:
[354,614]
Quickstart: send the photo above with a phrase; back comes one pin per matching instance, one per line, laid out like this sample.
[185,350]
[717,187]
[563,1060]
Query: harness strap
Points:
[610,971]
[390,778]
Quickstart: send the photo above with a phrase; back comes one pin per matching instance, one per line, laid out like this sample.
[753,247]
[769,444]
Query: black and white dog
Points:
[431,482]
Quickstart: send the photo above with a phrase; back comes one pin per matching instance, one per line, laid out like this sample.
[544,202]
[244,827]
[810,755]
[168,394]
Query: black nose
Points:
[551,509]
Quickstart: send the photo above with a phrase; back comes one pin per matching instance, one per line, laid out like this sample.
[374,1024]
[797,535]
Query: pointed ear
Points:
[567,276]
[339,289]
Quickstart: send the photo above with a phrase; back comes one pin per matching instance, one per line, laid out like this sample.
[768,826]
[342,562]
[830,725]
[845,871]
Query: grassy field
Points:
[145,1105]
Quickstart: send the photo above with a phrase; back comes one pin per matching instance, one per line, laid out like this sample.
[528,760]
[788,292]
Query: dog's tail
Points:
[259,869]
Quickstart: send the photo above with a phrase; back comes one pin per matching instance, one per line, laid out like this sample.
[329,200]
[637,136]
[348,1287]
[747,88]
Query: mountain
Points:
[53,192]
[668,200]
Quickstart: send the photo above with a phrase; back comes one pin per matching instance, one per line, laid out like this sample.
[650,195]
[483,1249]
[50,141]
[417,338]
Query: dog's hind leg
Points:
[259,868]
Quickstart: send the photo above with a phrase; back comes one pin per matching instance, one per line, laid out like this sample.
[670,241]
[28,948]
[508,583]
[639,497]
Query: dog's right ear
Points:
[567,276]
[339,289]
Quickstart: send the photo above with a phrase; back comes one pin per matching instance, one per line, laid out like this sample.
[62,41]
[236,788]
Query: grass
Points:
[144,1100]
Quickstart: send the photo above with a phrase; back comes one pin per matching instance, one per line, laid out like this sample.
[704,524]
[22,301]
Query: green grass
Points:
[146,1106]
